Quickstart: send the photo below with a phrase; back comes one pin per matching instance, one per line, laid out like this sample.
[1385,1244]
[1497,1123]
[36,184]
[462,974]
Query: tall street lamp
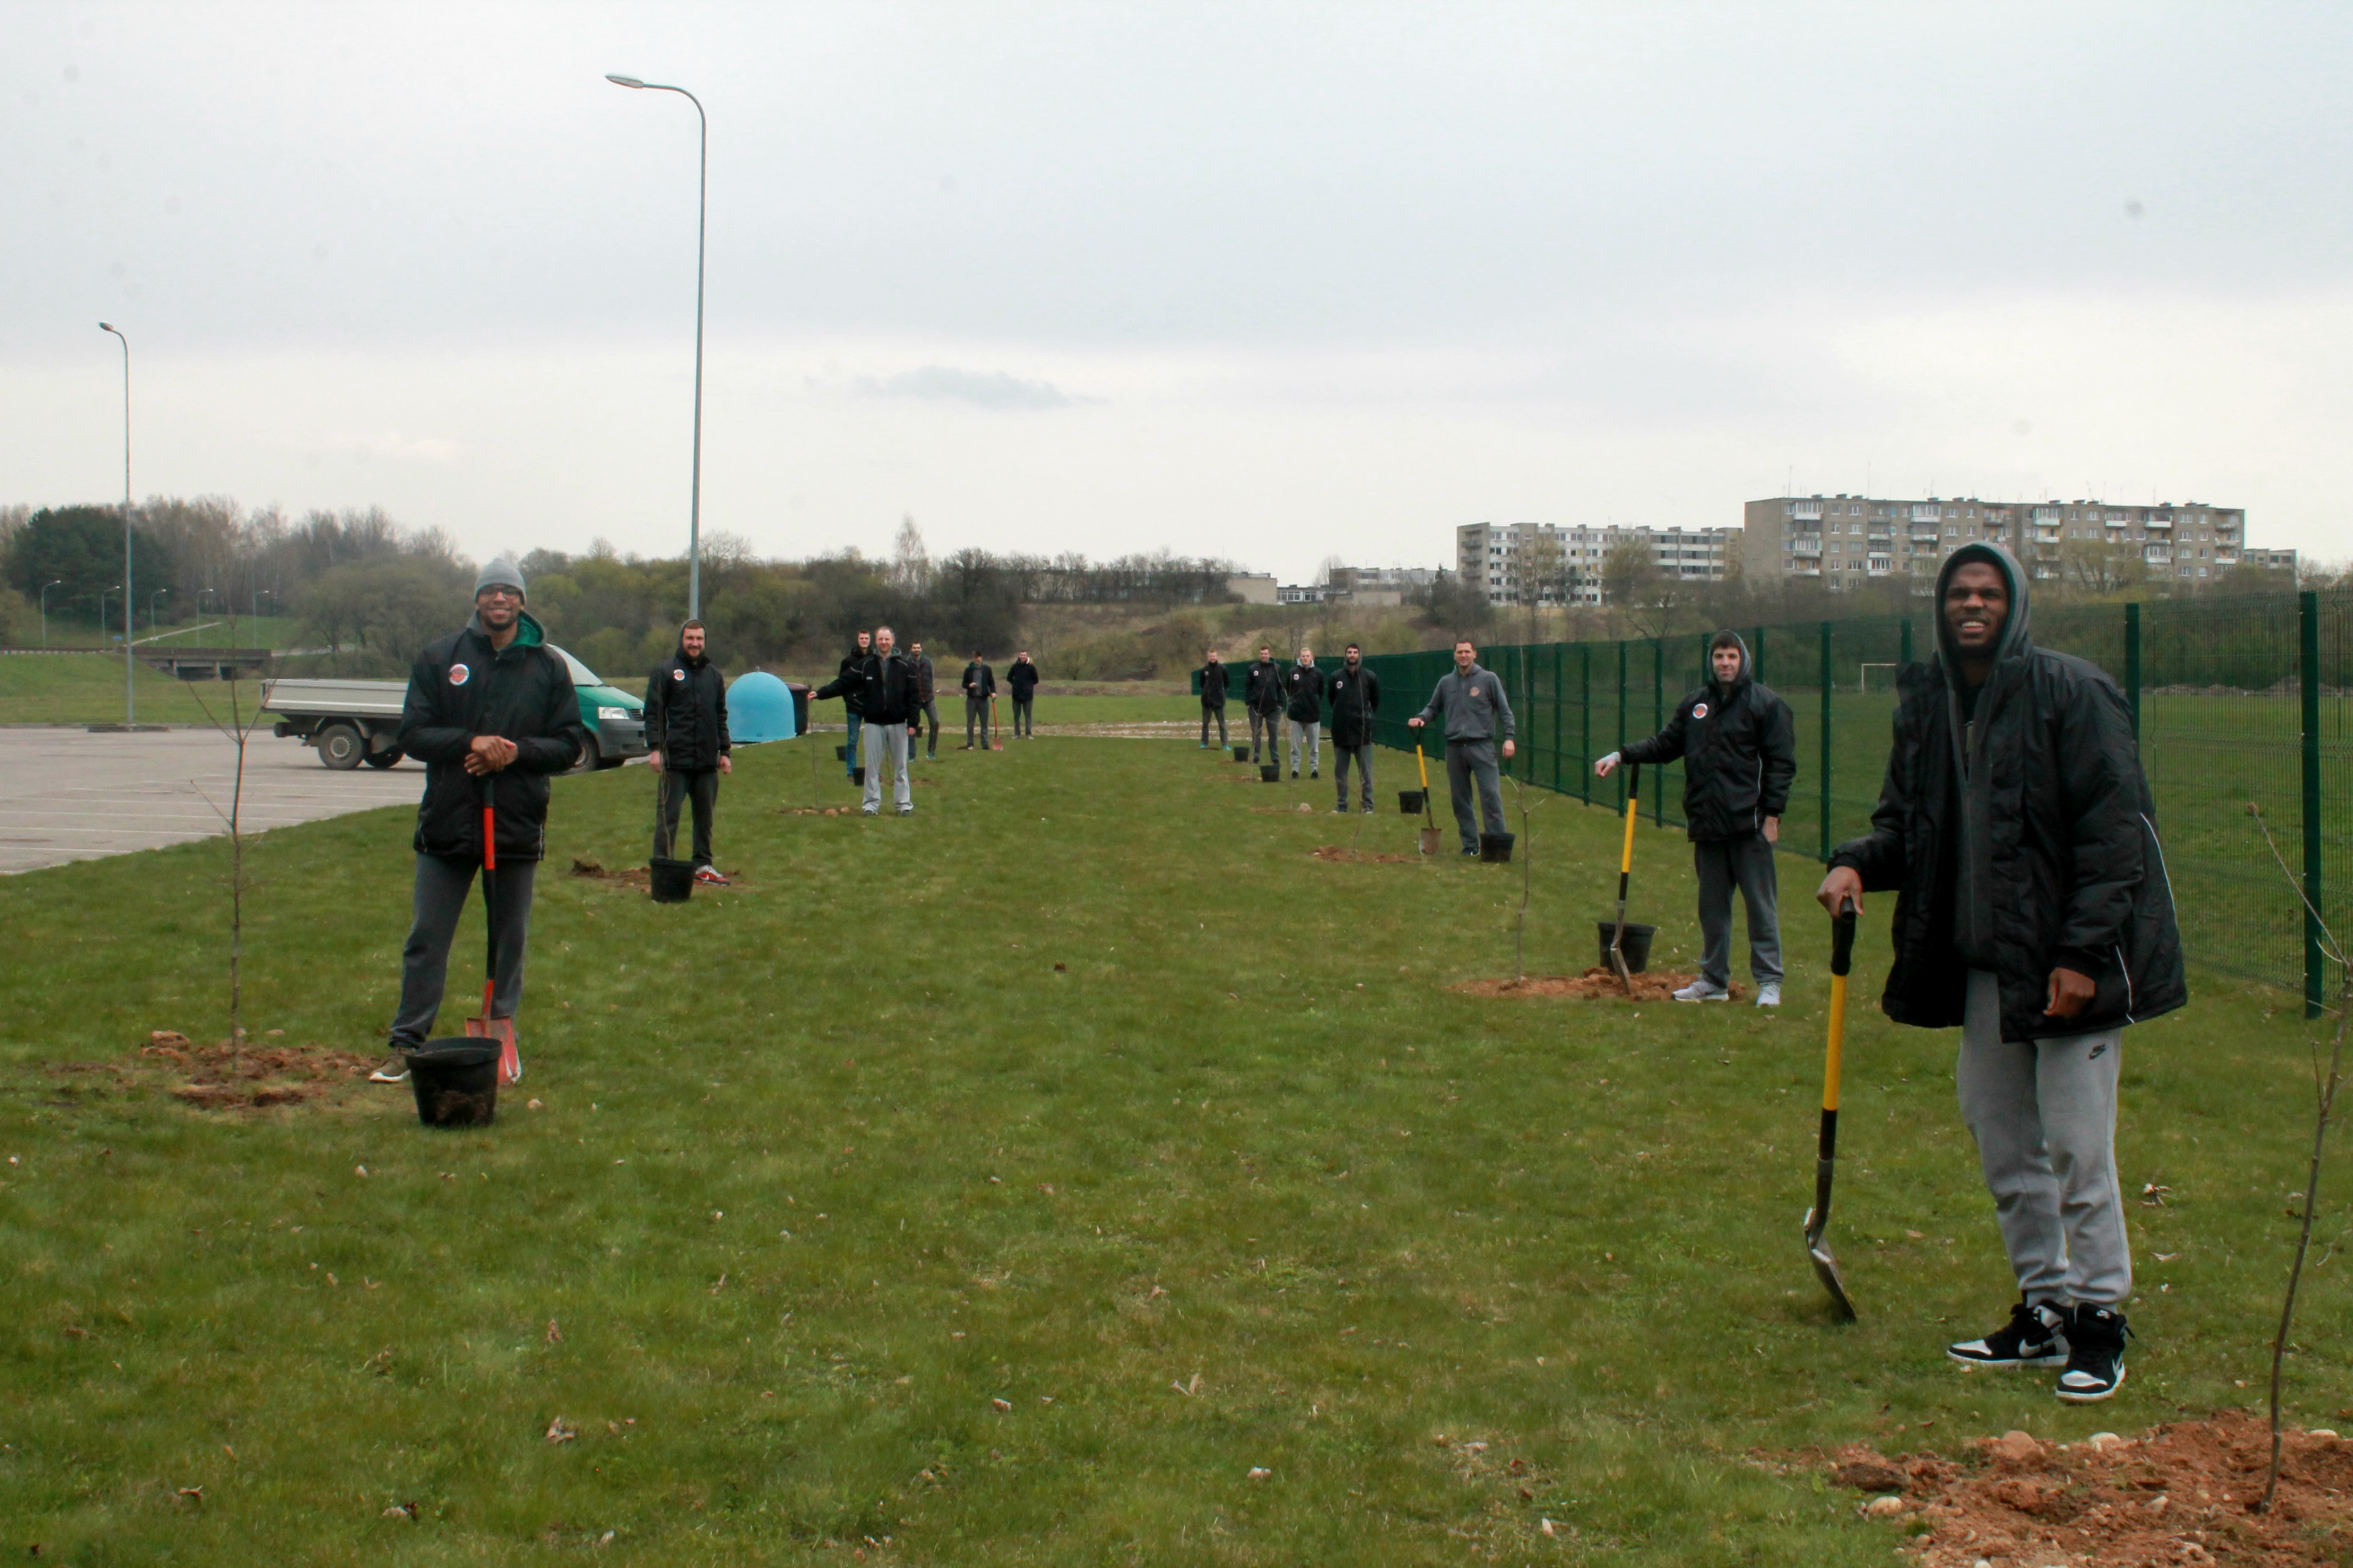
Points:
[151,608]
[702,202]
[129,714]
[45,609]
[103,593]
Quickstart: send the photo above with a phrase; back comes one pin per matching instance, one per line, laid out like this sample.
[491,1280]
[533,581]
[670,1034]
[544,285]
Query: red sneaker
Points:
[708,876]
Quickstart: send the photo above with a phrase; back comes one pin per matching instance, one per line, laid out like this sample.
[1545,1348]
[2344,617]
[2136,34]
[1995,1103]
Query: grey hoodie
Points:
[1471,705]
[1974,855]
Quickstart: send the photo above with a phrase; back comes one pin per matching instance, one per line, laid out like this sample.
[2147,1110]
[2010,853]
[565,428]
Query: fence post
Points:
[1585,722]
[2132,664]
[1555,717]
[1659,723]
[1826,741]
[2307,615]
[1757,652]
[1620,775]
[1906,656]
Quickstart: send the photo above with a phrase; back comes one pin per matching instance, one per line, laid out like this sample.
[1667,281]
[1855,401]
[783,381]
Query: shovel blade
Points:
[1826,1269]
[503,1031]
[1430,841]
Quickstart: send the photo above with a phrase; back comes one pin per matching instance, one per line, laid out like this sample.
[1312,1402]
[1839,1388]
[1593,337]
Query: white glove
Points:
[1604,766]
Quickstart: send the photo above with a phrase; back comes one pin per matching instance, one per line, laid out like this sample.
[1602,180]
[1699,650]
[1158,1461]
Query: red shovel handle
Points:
[489,841]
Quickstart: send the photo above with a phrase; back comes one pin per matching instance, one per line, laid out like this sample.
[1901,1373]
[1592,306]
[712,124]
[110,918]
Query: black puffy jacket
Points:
[2046,857]
[851,661]
[1214,684]
[1262,686]
[1021,676]
[1302,686]
[1355,696]
[686,712]
[460,688]
[1739,747]
[884,688]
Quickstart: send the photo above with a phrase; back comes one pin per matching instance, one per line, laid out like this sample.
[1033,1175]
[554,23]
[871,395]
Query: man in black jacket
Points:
[1212,676]
[1356,694]
[979,685]
[1262,694]
[491,713]
[1303,706]
[1739,748]
[686,728]
[884,686]
[2032,910]
[850,701]
[1022,676]
[928,699]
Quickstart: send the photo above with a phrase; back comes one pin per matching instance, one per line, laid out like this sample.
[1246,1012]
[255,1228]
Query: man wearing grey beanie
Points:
[491,713]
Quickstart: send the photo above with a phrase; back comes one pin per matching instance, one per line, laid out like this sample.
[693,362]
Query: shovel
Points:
[1429,823]
[487,1027]
[1625,870]
[1817,1217]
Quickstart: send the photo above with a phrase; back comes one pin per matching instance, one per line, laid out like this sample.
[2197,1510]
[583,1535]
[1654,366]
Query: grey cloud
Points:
[981,388]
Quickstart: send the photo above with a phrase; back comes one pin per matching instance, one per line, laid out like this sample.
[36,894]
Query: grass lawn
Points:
[1007,1184]
[87,689]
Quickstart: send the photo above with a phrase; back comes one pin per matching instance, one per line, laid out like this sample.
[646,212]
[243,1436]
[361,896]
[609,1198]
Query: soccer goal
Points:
[1863,677]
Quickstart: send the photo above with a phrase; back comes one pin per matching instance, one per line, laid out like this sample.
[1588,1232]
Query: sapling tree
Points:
[236,719]
[2327,1081]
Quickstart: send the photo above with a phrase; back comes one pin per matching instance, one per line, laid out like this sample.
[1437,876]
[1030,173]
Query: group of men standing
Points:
[890,697]
[2015,825]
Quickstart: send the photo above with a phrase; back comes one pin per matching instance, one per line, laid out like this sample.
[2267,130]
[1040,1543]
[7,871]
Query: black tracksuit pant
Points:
[678,786]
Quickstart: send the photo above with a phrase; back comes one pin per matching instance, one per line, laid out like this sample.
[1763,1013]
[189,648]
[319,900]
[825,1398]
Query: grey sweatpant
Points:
[1466,761]
[1747,863]
[886,751]
[2044,1116]
[442,883]
[1310,735]
[975,717]
[1362,757]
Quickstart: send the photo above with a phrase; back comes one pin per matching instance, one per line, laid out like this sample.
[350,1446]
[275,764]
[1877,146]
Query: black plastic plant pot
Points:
[1635,949]
[672,881]
[1241,754]
[456,1082]
[841,754]
[1495,848]
[1269,773]
[1410,802]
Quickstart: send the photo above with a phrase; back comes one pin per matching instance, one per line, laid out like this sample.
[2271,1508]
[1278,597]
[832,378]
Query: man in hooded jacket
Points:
[1212,676]
[1262,697]
[884,685]
[1739,749]
[2032,910]
[686,728]
[854,716]
[491,713]
[1302,708]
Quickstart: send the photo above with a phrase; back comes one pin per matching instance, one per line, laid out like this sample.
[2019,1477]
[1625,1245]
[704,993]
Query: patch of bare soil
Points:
[1657,985]
[638,879]
[1237,778]
[219,1077]
[1364,856]
[2184,1492]
[1301,809]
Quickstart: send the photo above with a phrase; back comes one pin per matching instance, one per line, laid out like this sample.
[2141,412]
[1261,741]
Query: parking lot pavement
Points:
[66,795]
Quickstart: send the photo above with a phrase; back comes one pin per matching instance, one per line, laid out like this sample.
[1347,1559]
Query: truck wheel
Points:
[592,757]
[341,748]
[390,759]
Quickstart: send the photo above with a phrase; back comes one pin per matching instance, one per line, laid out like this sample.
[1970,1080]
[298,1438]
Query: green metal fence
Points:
[2235,700]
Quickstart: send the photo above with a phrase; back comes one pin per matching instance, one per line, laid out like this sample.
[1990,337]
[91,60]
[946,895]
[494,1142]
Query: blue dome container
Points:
[759,708]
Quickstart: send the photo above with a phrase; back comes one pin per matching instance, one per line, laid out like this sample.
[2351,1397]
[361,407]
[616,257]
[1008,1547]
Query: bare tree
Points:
[2325,1086]
[236,721]
[1542,579]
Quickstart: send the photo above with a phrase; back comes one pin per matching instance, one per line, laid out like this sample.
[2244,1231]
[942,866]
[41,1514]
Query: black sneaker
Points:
[1315,772]
[394,1069]
[2035,1336]
[2095,1355]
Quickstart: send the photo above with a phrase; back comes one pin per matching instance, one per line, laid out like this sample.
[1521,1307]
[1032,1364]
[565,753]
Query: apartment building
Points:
[1847,540]
[1498,556]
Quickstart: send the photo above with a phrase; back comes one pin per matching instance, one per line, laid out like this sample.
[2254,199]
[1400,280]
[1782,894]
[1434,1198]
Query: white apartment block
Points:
[1845,542]
[1490,555]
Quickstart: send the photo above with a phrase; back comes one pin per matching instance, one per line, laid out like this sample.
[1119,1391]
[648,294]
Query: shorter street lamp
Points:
[45,609]
[103,593]
[151,608]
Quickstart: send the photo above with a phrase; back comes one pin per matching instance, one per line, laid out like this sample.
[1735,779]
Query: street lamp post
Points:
[103,593]
[129,713]
[151,608]
[702,202]
[45,609]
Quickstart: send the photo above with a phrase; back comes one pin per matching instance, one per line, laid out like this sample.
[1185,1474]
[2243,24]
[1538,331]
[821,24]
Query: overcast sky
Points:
[1274,282]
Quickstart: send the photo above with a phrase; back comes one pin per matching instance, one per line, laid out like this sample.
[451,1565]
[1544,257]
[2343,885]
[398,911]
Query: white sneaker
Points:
[1701,991]
[1768,995]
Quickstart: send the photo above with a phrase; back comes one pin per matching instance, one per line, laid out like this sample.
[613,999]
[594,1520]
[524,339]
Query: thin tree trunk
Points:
[2325,1093]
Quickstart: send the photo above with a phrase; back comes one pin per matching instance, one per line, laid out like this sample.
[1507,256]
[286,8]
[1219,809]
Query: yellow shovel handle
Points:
[1831,1057]
[1422,766]
[1626,855]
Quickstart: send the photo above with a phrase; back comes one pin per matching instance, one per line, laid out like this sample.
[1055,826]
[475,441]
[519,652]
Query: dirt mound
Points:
[638,878]
[2182,1492]
[1366,856]
[218,1077]
[1658,985]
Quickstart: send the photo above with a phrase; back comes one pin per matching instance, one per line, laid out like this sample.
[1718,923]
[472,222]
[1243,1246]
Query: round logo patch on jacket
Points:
[458,674]
[1699,709]
[678,675]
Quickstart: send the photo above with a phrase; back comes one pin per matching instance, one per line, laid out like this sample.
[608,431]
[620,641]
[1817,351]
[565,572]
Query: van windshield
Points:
[581,674]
